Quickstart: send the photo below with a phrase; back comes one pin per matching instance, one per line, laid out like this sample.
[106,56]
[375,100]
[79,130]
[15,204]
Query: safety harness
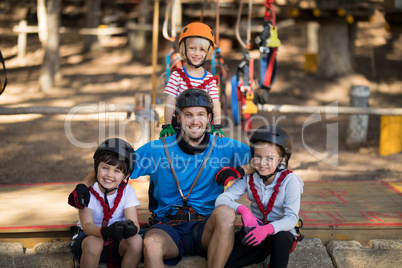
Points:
[202,86]
[184,212]
[269,44]
[107,211]
[107,215]
[271,201]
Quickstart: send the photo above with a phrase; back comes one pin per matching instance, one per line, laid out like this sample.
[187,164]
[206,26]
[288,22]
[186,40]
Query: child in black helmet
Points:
[274,192]
[109,225]
[195,43]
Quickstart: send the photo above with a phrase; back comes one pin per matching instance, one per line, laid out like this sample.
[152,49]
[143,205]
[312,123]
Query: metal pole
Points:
[155,34]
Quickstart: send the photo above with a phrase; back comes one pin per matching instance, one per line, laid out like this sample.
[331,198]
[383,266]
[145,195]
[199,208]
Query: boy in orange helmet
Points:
[195,43]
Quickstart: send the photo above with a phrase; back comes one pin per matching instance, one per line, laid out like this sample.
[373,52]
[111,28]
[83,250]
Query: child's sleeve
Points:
[291,207]
[131,197]
[212,90]
[173,84]
[232,194]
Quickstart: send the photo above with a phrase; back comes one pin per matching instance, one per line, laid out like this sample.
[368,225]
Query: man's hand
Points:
[114,231]
[167,130]
[79,198]
[227,174]
[217,130]
[249,220]
[257,234]
[130,229]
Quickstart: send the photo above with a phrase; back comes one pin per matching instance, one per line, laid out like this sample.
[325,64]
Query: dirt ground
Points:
[58,148]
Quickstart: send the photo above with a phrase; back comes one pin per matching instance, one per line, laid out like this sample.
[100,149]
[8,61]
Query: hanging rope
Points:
[165,34]
[238,37]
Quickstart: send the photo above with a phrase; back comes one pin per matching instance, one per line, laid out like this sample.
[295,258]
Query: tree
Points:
[51,61]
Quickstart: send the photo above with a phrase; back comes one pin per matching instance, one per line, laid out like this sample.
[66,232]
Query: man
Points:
[182,188]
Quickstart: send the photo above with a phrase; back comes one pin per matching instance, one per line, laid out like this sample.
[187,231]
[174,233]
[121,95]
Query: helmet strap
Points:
[105,189]
[190,63]
[277,169]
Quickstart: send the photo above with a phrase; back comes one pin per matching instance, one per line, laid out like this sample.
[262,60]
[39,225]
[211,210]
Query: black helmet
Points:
[274,134]
[120,147]
[194,97]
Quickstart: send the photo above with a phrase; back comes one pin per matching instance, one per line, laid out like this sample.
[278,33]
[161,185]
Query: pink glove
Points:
[249,220]
[258,234]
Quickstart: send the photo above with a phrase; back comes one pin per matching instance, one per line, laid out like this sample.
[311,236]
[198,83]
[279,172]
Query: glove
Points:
[114,231]
[227,174]
[249,220]
[129,229]
[167,130]
[216,129]
[257,234]
[79,198]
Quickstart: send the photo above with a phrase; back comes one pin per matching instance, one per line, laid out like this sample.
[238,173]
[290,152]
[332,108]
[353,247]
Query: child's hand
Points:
[248,218]
[217,130]
[167,130]
[227,174]
[79,198]
[257,234]
[115,230]
[130,229]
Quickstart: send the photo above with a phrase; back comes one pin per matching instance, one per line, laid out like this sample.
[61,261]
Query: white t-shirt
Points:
[129,199]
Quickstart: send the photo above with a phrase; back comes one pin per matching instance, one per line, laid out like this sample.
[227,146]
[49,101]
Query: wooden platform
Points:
[343,210]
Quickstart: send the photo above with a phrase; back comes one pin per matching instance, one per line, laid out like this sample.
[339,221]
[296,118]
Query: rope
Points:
[165,23]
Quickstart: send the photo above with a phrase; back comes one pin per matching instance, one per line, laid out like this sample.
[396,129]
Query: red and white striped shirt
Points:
[177,84]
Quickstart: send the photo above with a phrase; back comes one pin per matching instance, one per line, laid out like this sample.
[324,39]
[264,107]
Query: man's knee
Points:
[224,215]
[152,240]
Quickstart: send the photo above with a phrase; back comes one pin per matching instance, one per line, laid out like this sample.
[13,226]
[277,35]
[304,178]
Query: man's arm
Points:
[227,174]
[79,198]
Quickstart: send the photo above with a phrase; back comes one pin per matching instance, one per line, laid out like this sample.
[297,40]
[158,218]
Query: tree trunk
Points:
[51,62]
[42,22]
[93,8]
[335,57]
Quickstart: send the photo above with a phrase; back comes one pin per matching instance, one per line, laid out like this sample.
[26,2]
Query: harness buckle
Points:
[151,219]
[298,227]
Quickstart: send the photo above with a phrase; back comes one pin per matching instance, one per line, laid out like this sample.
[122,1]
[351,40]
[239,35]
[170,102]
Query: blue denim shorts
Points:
[186,235]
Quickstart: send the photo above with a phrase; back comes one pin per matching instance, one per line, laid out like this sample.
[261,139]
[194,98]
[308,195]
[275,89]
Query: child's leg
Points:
[131,251]
[280,245]
[92,247]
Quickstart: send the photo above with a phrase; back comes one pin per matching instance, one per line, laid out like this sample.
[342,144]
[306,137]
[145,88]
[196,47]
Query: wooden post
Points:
[311,57]
[22,40]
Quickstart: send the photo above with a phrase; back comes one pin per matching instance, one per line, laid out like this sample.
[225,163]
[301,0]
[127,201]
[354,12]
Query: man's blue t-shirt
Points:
[163,192]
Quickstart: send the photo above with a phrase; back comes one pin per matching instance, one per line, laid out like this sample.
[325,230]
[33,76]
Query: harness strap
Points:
[199,171]
[107,212]
[185,78]
[271,201]
[268,74]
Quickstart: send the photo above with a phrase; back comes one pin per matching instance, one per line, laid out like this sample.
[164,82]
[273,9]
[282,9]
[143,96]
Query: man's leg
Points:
[158,245]
[218,235]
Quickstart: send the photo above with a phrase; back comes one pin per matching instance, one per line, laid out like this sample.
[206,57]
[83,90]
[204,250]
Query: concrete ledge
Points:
[43,255]
[378,253]
[308,253]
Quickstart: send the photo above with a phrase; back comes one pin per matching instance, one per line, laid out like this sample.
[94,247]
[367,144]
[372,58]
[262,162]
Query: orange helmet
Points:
[197,29]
